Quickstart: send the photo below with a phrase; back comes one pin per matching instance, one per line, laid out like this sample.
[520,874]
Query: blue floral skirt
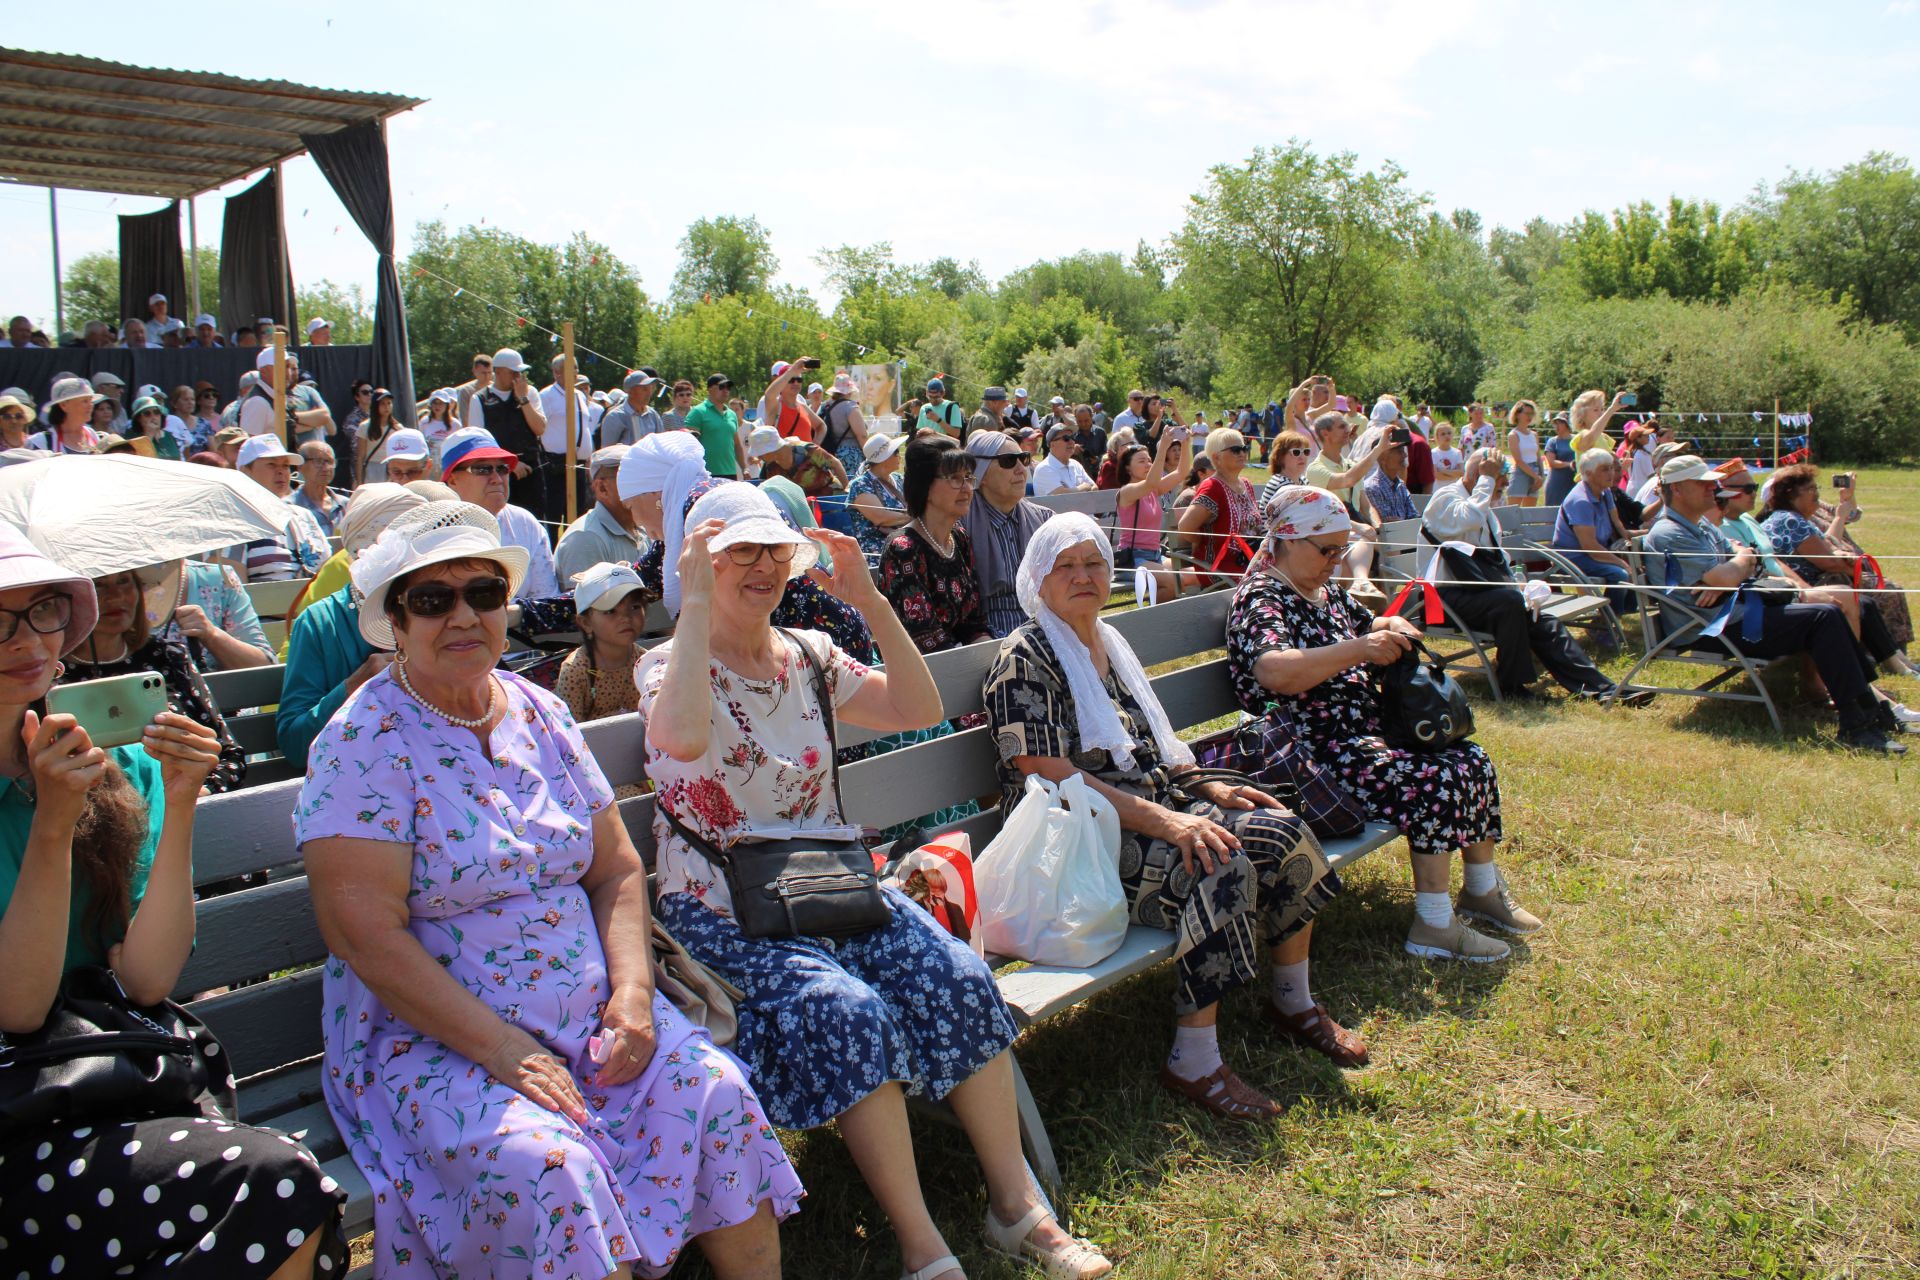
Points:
[826,1021]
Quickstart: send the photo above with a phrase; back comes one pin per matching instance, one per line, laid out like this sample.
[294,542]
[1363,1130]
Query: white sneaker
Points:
[1904,714]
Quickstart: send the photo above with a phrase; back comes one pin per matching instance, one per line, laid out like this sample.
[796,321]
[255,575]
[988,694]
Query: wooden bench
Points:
[272,1028]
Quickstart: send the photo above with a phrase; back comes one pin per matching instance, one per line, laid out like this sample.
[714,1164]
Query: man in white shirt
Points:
[1060,471]
[206,332]
[634,418]
[1131,416]
[319,332]
[20,334]
[479,471]
[256,405]
[554,477]
[159,323]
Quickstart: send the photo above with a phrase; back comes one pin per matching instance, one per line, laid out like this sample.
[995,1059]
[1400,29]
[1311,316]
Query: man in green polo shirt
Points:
[719,429]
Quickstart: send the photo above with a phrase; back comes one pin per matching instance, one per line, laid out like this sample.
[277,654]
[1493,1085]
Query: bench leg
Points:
[1033,1136]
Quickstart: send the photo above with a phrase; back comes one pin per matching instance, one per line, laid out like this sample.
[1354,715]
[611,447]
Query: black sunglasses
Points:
[1234,448]
[45,616]
[1008,461]
[487,470]
[435,599]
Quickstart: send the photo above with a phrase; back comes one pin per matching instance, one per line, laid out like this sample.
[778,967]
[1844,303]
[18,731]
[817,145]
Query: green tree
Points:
[1059,321]
[1528,257]
[1295,258]
[723,256]
[1690,252]
[1454,302]
[90,290]
[347,306]
[586,282]
[1098,367]
[1855,234]
[950,351]
[1104,283]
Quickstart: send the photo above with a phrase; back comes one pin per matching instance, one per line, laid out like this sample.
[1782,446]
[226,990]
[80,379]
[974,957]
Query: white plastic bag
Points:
[1049,883]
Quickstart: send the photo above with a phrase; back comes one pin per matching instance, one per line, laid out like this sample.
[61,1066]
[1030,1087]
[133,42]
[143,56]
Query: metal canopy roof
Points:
[90,125]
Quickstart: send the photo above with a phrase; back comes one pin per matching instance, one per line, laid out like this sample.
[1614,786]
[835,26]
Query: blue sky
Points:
[1004,132]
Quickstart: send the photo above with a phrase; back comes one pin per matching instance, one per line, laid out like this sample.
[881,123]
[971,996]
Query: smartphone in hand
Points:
[115,711]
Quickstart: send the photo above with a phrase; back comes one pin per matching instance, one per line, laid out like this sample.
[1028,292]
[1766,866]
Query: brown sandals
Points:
[1223,1093]
[1315,1029]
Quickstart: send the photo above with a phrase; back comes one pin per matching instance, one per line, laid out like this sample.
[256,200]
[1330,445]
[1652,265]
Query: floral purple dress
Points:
[469,1178]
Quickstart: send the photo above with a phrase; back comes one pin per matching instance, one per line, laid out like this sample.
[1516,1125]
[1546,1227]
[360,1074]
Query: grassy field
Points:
[1705,1066]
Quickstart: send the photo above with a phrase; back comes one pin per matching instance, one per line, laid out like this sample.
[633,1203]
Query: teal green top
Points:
[717,429]
[16,818]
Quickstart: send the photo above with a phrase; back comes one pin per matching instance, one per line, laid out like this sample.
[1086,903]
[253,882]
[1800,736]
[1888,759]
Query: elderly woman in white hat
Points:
[1298,650]
[70,407]
[1222,864]
[738,744]
[494,1041]
[876,505]
[596,680]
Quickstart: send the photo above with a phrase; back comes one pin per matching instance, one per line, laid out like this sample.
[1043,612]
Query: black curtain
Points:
[355,163]
[151,262]
[251,282]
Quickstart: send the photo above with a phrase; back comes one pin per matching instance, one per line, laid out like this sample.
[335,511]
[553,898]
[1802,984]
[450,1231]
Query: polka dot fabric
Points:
[188,1199]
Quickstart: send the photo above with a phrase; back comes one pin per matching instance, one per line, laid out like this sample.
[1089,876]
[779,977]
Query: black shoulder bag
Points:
[803,886]
[1422,707]
[100,1057]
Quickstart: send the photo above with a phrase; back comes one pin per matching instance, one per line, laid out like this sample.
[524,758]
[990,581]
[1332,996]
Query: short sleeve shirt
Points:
[717,429]
[767,770]
[1582,507]
[1787,532]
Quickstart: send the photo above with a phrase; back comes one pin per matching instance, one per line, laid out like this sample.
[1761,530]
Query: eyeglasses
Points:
[965,479]
[1235,448]
[45,616]
[1327,552]
[488,470]
[1008,461]
[747,554]
[435,599]
[1299,453]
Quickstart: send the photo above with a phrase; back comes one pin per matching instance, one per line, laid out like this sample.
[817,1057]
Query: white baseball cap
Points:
[317,323]
[406,445]
[260,448]
[510,360]
[1020,392]
[604,585]
[204,319]
[156,297]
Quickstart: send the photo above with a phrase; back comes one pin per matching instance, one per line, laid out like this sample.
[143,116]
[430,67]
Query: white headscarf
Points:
[1099,718]
[668,463]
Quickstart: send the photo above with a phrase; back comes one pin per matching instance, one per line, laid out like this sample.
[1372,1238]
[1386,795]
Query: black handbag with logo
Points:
[1422,707]
[100,1057]
[803,886]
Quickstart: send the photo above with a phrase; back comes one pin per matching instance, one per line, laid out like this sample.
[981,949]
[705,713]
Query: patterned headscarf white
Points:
[668,463]
[1099,719]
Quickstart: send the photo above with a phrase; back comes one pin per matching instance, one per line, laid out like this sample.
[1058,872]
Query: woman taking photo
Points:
[1226,867]
[829,1030]
[1223,520]
[1814,537]
[926,570]
[1298,648]
[875,504]
[98,870]
[486,915]
[1148,479]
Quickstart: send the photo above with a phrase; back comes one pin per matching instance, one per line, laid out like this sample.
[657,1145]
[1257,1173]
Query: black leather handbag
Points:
[100,1057]
[1422,707]
[804,886]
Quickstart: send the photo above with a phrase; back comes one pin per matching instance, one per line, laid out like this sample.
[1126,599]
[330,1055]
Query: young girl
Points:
[1146,480]
[1449,464]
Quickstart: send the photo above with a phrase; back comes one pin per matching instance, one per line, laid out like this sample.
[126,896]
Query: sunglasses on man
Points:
[488,470]
[436,599]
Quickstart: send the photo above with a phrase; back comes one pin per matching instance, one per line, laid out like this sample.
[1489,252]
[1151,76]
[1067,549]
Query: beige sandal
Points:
[938,1267]
[1074,1260]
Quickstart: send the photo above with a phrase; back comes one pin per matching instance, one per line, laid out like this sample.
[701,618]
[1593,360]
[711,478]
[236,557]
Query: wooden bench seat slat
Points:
[266,1025]
[252,933]
[246,686]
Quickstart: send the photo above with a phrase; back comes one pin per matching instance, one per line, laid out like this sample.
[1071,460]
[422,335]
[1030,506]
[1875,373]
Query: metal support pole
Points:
[59,304]
[1776,431]
[567,376]
[283,309]
[193,255]
[280,382]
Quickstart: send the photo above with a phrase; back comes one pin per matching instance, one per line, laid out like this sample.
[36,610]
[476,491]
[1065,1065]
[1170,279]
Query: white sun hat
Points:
[752,517]
[433,533]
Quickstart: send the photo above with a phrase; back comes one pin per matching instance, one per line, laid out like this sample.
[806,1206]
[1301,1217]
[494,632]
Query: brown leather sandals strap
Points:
[1315,1029]
[1223,1093]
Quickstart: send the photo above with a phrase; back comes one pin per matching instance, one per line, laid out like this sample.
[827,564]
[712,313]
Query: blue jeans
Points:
[1622,599]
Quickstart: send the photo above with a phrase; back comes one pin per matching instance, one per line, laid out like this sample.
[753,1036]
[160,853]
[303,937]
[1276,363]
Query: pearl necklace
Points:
[946,551]
[493,699]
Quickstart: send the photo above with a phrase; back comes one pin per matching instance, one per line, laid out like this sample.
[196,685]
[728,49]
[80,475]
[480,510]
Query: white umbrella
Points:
[101,515]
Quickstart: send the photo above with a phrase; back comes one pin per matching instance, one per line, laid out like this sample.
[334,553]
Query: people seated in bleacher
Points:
[1298,647]
[736,745]
[1225,867]
[69,415]
[1477,580]
[486,917]
[1148,479]
[481,472]
[875,506]
[1292,451]
[1331,469]
[316,494]
[327,658]
[1706,571]
[596,679]
[1589,528]
[926,570]
[606,532]
[302,548]
[16,416]
[217,617]
[1816,539]
[149,424]
[121,641]
[408,456]
[98,871]
[1060,471]
[1222,522]
[1000,521]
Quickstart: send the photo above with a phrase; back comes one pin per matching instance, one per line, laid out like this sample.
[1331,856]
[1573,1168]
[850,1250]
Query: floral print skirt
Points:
[826,1021]
[1440,800]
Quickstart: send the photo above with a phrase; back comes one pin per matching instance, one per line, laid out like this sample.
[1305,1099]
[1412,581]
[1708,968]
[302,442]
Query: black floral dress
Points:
[1264,893]
[187,695]
[937,596]
[1441,800]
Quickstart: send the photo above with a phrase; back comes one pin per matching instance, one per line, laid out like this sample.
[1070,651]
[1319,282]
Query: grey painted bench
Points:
[272,1028]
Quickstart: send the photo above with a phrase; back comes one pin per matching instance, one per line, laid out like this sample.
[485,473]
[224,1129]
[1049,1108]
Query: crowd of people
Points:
[495,1041]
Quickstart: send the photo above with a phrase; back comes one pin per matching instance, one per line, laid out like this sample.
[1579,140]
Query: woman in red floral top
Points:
[926,570]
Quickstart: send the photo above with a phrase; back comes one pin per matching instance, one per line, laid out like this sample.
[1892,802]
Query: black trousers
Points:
[1521,636]
[1820,631]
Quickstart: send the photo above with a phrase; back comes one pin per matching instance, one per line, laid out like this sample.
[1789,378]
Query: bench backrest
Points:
[1535,524]
[1402,550]
[258,932]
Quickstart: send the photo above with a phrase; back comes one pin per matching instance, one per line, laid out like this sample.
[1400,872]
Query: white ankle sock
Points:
[1479,878]
[1196,1052]
[1434,909]
[1290,987]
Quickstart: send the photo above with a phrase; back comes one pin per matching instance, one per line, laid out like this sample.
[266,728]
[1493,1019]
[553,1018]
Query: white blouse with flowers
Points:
[767,771]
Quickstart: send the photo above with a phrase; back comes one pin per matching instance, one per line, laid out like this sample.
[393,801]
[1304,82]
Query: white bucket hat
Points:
[880,447]
[434,533]
[752,517]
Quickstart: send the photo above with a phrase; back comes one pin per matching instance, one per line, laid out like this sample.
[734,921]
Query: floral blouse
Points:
[593,693]
[1788,531]
[1267,616]
[871,537]
[1231,510]
[187,695]
[766,770]
[936,596]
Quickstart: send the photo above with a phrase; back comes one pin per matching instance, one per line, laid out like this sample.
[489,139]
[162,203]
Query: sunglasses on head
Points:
[435,599]
[747,554]
[46,616]
[487,470]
